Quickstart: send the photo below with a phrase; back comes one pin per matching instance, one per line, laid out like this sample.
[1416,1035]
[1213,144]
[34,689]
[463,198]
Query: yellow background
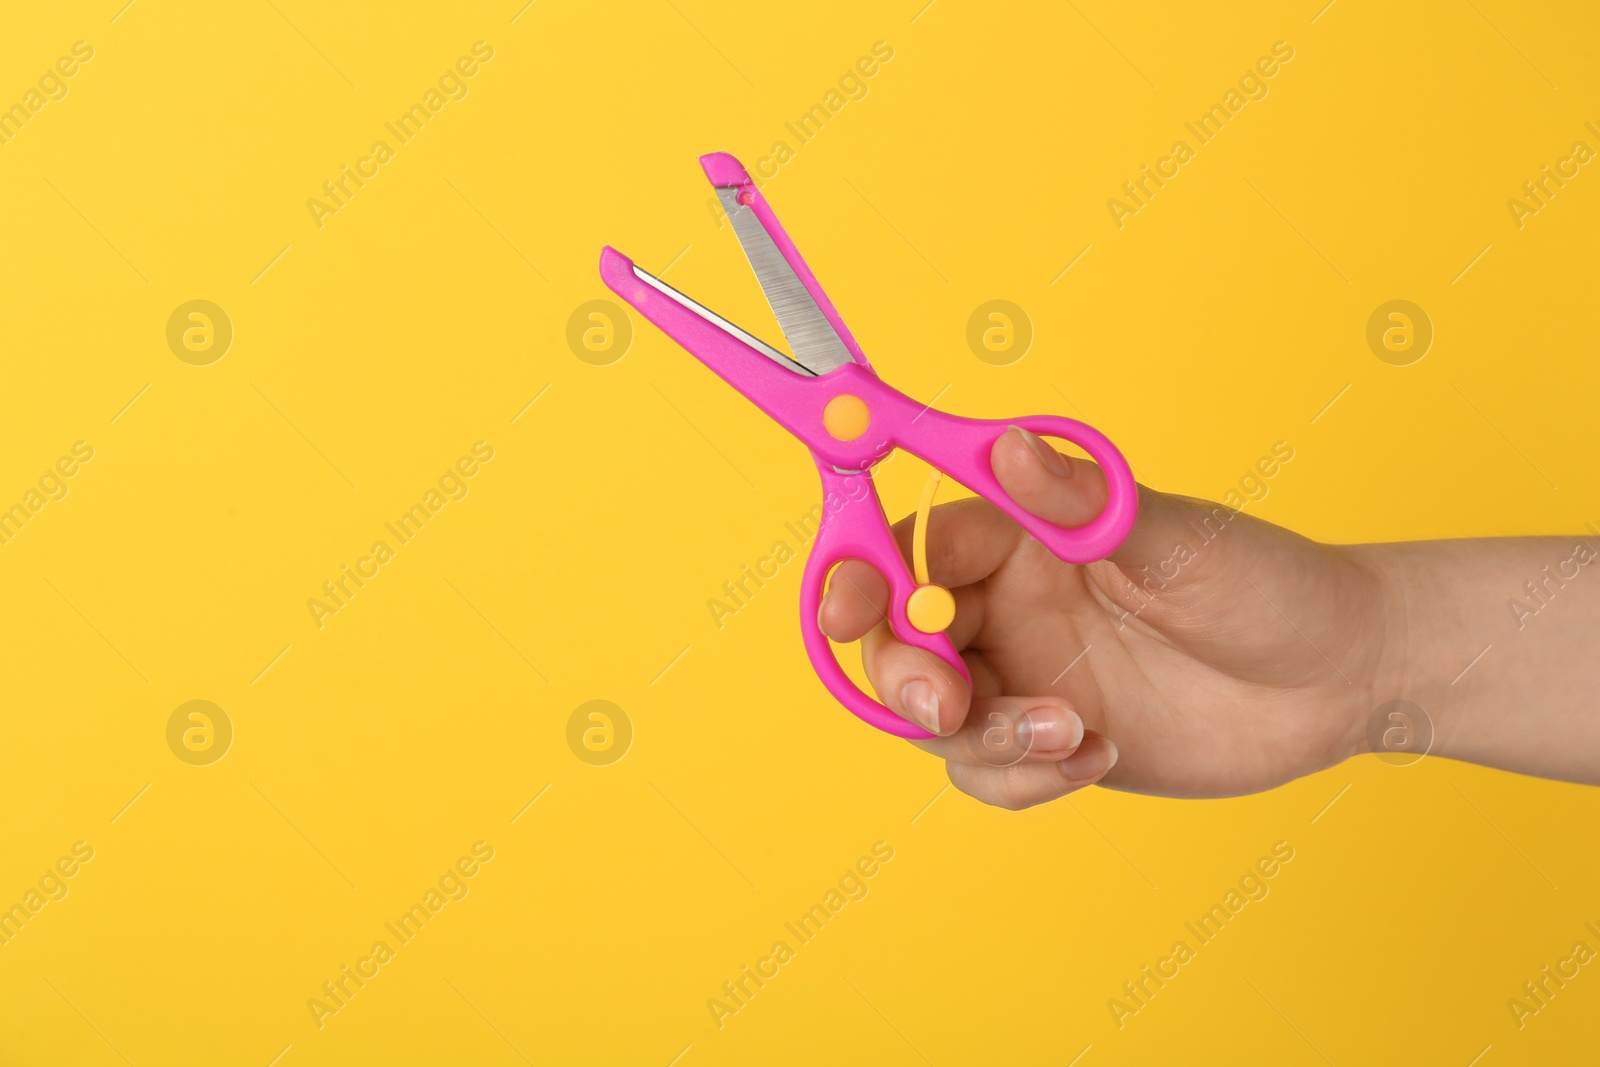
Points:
[429,312]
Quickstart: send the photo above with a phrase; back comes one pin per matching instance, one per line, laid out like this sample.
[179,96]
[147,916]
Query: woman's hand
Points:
[1213,654]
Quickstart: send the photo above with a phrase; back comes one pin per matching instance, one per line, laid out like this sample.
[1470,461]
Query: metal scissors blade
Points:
[809,333]
[721,323]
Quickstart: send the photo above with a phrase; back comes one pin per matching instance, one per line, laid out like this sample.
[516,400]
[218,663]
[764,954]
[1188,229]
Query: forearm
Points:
[1498,642]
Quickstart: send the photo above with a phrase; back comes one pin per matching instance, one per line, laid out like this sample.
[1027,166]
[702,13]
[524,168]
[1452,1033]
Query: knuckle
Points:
[998,788]
[1014,787]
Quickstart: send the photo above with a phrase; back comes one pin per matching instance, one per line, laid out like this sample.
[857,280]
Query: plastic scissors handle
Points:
[960,447]
[854,527]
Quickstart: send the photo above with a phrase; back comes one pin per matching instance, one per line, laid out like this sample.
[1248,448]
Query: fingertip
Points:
[919,702]
[1060,489]
[854,602]
[1052,461]
[1048,726]
[827,617]
[937,704]
[1091,762]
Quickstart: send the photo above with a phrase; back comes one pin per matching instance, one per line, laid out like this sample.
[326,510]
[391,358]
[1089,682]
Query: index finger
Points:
[967,540]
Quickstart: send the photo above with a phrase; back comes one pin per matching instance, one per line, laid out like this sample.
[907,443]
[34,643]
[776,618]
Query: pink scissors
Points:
[828,396]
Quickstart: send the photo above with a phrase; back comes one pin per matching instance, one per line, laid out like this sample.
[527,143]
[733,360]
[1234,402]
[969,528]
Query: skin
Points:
[1225,655]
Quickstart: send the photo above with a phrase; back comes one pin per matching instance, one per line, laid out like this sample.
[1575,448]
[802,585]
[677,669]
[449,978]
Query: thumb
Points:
[1068,491]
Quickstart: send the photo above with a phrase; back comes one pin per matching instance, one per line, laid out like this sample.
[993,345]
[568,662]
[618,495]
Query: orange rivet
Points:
[931,608]
[846,417]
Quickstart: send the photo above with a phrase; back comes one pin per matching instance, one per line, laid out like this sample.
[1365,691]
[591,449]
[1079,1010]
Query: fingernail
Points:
[1049,730]
[921,701]
[1089,762]
[1048,456]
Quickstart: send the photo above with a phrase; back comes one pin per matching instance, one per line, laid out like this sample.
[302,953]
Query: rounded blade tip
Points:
[723,169]
[615,268]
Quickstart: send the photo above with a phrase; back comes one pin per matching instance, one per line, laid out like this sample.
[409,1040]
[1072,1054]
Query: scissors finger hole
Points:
[1051,477]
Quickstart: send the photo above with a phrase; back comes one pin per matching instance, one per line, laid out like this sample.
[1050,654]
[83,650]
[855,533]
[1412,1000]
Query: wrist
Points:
[1429,636]
[1403,699]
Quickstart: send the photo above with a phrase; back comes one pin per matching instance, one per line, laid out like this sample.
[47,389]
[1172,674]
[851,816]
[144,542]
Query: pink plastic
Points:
[855,527]
[853,523]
